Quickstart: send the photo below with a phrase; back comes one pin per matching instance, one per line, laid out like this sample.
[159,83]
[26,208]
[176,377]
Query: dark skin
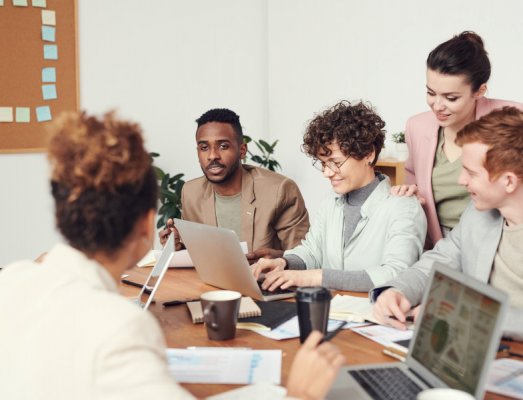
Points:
[220,155]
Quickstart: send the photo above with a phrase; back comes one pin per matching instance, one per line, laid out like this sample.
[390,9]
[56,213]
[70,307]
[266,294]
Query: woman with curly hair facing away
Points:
[362,236]
[67,333]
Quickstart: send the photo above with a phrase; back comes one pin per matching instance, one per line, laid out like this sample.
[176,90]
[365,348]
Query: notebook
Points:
[154,279]
[273,314]
[248,308]
[455,340]
[219,260]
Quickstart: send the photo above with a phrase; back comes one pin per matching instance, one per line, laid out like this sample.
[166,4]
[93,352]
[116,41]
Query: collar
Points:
[380,193]
[74,262]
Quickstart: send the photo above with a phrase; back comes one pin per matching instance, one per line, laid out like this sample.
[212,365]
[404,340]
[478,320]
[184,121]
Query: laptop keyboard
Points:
[386,383]
[276,291]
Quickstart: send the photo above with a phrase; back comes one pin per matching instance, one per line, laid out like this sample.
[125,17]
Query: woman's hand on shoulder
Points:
[408,191]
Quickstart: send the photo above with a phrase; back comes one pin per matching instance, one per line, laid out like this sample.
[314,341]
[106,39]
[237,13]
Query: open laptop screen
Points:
[155,277]
[455,333]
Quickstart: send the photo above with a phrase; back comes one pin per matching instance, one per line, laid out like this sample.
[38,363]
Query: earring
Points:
[369,163]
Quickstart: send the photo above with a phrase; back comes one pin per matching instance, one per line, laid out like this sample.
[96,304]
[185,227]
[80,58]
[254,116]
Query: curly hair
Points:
[357,130]
[102,180]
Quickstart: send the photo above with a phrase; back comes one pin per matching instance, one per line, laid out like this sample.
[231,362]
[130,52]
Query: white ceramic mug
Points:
[444,394]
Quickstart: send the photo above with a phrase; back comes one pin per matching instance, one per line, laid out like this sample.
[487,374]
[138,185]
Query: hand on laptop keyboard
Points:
[288,278]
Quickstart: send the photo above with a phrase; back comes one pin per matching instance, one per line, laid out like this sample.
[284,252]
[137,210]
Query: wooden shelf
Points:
[393,168]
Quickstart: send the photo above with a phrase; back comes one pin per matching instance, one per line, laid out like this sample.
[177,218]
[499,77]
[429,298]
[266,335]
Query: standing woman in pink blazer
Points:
[457,74]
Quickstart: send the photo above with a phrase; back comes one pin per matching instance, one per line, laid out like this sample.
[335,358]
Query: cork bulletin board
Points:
[38,70]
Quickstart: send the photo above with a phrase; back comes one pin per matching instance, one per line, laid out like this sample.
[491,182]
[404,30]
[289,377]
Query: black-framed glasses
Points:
[332,165]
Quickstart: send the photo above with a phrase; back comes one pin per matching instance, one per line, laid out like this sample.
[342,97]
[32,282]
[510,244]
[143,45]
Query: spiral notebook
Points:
[248,308]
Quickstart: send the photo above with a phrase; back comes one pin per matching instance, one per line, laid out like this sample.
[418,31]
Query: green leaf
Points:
[246,139]
[268,148]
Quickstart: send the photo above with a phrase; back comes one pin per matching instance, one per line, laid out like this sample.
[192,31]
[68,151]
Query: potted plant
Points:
[400,147]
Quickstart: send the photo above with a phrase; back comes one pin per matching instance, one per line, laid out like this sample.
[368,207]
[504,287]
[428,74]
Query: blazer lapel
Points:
[207,206]
[248,209]
[487,249]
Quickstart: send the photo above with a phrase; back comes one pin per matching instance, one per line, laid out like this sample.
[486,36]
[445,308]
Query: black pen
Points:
[408,318]
[177,302]
[131,283]
[333,333]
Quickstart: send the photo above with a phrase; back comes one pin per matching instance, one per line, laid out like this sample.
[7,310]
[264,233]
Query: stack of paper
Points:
[225,365]
[351,308]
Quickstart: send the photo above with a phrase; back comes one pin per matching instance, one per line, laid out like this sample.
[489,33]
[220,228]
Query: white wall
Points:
[164,62]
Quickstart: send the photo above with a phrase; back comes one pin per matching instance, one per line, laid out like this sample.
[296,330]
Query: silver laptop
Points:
[152,283]
[455,340]
[219,260]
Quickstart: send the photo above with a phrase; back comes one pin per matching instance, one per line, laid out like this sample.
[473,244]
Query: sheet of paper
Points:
[48,17]
[260,391]
[40,3]
[6,114]
[384,335]
[351,308]
[20,3]
[49,92]
[43,113]
[290,329]
[225,365]
[48,33]
[506,378]
[50,52]
[23,114]
[181,258]
[49,74]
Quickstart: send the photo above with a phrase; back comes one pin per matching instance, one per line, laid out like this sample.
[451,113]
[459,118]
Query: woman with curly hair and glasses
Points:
[362,236]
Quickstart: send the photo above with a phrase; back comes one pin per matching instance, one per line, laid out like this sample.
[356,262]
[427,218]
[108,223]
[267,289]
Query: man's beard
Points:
[232,170]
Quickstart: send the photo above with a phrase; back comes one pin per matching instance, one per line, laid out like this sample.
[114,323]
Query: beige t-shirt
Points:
[228,212]
[507,274]
[451,198]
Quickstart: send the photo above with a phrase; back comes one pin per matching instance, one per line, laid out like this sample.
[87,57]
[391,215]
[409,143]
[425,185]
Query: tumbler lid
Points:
[313,293]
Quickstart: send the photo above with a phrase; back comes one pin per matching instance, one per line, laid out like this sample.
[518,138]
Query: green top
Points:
[228,214]
[450,197]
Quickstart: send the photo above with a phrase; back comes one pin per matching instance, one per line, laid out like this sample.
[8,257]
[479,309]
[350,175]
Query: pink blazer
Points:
[421,135]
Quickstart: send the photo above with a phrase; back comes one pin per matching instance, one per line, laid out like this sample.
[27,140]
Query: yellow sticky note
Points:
[48,17]
[40,3]
[20,3]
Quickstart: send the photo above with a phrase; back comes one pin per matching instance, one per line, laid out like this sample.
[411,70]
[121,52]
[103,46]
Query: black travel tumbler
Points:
[313,310]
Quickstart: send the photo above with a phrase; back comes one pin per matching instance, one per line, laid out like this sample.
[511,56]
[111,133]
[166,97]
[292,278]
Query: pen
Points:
[131,283]
[408,318]
[177,302]
[333,333]
[392,354]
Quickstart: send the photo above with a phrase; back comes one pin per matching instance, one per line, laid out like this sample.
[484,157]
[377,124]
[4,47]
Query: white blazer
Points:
[67,334]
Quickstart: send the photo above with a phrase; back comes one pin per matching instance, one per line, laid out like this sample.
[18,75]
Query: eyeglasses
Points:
[332,165]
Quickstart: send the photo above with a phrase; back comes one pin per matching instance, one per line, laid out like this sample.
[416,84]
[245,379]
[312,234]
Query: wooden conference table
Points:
[180,332]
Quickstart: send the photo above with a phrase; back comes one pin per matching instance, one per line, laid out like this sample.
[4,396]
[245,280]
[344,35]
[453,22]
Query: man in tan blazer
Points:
[264,208]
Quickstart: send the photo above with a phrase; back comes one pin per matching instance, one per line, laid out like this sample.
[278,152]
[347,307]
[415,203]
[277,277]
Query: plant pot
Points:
[402,151]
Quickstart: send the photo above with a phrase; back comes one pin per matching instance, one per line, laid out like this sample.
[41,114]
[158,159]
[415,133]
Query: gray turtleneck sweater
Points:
[350,280]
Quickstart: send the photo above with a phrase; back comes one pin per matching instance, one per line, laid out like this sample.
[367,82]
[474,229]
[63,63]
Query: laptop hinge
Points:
[420,377]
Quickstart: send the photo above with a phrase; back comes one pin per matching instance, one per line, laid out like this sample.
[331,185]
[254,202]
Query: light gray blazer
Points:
[470,247]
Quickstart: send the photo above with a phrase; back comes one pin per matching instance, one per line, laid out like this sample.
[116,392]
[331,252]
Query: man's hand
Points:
[164,235]
[266,264]
[391,308]
[288,278]
[407,190]
[314,369]
[264,252]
